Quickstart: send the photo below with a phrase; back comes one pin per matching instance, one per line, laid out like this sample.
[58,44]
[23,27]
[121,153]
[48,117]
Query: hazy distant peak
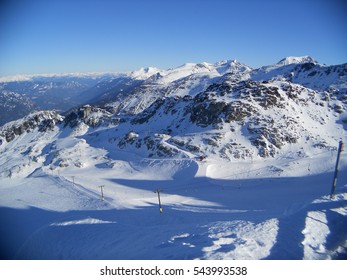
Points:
[32,77]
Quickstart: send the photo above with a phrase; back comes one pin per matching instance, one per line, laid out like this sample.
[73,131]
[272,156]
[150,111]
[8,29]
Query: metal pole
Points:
[160,208]
[102,192]
[340,149]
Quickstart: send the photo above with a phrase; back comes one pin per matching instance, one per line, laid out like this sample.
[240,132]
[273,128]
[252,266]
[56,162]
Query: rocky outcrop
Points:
[90,115]
[42,120]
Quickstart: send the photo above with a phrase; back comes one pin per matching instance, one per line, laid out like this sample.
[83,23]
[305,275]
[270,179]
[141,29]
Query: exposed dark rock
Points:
[43,120]
[207,113]
[90,115]
[84,112]
[237,111]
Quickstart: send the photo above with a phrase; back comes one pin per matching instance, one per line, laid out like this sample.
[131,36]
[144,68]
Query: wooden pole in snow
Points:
[160,207]
[102,192]
[340,149]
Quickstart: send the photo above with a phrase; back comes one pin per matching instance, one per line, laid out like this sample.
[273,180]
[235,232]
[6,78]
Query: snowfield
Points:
[210,211]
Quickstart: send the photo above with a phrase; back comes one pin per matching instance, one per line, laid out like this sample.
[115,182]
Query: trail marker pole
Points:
[73,180]
[102,192]
[340,149]
[158,192]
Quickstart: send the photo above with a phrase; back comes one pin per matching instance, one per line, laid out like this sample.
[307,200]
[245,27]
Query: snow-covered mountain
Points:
[187,79]
[135,91]
[306,72]
[222,110]
[237,152]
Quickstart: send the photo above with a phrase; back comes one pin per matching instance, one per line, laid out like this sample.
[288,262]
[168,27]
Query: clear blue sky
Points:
[46,36]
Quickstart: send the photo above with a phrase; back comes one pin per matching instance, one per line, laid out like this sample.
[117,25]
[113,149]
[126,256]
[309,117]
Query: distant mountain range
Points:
[225,110]
[133,92]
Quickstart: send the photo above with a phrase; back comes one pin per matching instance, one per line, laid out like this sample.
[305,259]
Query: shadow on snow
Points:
[143,233]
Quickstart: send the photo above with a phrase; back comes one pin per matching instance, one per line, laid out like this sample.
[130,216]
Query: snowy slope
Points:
[244,168]
[211,210]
